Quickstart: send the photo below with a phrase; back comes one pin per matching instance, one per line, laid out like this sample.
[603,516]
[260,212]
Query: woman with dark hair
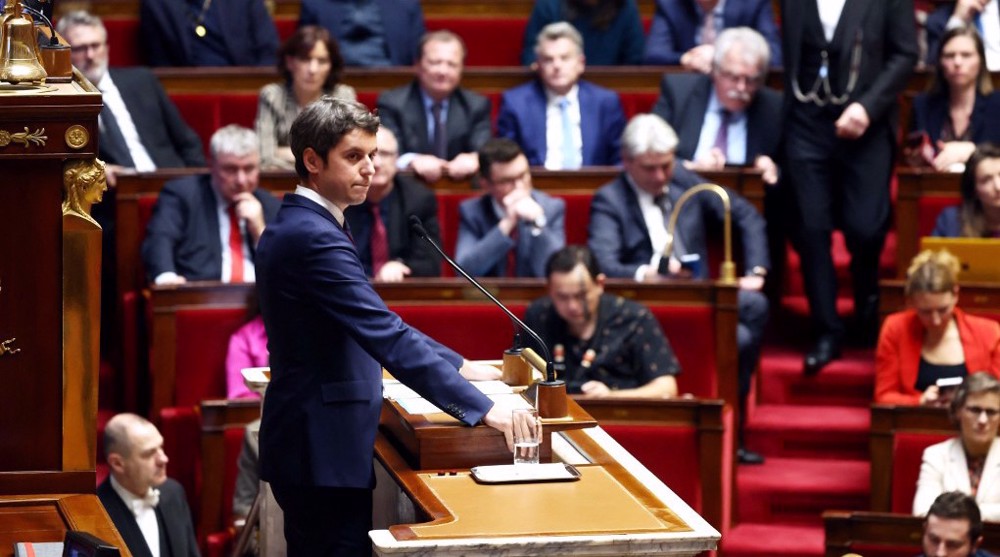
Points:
[612,31]
[970,462]
[959,108]
[979,214]
[934,339]
[311,64]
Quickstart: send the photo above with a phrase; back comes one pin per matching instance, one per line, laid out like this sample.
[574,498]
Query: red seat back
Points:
[691,332]
[123,41]
[907,453]
[928,209]
[637,103]
[181,430]
[670,453]
[451,325]
[202,341]
[493,41]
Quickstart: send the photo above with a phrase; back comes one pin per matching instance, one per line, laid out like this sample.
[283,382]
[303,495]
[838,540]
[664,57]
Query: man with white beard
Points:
[728,117]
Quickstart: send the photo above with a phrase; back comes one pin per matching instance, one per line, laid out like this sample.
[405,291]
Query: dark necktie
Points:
[440,133]
[235,247]
[113,135]
[512,253]
[379,240]
[347,230]
[722,136]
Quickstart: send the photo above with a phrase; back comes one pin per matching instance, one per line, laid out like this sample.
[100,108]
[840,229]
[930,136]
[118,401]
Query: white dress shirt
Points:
[113,99]
[736,134]
[829,16]
[656,226]
[313,195]
[145,514]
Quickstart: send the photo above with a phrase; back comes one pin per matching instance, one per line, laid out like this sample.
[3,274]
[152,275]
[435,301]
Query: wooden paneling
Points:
[914,184]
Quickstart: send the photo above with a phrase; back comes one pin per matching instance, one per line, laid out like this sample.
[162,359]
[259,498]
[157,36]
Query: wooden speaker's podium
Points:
[617,507]
[50,261]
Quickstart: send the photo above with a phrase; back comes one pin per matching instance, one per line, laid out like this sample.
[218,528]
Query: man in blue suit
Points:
[370,32]
[560,120]
[628,233]
[683,31]
[330,336]
[215,33]
[511,230]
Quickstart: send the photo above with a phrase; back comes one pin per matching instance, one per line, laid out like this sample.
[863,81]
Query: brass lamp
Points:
[727,272]
[19,48]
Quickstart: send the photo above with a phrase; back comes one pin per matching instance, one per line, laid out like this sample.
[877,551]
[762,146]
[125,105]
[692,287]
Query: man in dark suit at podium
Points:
[329,336]
[149,509]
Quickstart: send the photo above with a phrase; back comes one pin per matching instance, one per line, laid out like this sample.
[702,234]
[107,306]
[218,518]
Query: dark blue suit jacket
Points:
[162,131]
[948,223]
[329,335]
[167,39]
[931,112]
[468,125]
[620,240]
[183,234]
[522,118]
[403,21]
[676,23]
[172,511]
[684,99]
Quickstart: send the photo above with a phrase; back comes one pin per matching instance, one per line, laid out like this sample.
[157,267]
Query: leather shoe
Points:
[826,350]
[746,456]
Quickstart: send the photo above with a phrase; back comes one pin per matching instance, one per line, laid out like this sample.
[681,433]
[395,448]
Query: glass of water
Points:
[527,435]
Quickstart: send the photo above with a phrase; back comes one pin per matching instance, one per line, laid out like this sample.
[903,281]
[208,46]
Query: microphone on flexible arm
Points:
[548,393]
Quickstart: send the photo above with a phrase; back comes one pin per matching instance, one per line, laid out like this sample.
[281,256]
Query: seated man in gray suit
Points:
[149,509]
[512,229]
[728,117]
[206,227]
[628,233]
[438,124]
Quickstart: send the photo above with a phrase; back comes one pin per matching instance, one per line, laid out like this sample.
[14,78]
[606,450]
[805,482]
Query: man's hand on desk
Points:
[499,418]
[475,371]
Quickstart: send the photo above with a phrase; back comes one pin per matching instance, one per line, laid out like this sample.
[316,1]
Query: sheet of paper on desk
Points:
[424,406]
[394,390]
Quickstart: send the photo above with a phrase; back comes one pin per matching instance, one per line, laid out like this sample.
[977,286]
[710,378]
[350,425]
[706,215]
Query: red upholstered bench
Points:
[477,331]
[928,209]
[691,332]
[899,436]
[907,454]
[207,112]
[493,41]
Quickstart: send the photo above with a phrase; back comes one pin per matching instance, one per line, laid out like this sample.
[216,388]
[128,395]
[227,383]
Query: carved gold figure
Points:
[6,348]
[84,181]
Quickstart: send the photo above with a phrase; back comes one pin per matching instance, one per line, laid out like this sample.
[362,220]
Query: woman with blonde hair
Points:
[933,339]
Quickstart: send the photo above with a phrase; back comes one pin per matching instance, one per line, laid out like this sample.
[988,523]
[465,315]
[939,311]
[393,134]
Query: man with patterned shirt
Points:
[612,347]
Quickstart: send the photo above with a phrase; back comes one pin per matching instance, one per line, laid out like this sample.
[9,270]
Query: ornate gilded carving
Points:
[77,137]
[84,183]
[26,138]
[6,348]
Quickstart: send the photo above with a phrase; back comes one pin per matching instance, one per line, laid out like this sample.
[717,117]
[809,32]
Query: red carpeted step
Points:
[797,491]
[823,432]
[849,381]
[767,540]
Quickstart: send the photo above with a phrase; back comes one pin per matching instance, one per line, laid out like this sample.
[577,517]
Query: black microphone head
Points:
[417,226]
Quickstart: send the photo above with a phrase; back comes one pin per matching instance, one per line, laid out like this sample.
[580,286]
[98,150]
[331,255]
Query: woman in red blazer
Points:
[933,339]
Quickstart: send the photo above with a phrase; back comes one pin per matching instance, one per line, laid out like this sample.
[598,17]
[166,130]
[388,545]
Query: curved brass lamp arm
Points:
[727,273]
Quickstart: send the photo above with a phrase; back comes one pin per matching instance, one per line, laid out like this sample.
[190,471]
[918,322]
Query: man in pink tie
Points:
[149,509]
[206,227]
[380,225]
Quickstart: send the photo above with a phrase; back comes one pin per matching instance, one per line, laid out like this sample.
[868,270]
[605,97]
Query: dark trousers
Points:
[326,521]
[752,311]
[837,183]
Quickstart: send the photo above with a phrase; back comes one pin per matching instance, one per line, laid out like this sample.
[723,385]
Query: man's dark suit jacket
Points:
[402,111]
[888,52]
[684,100]
[930,112]
[162,130]
[183,234]
[620,240]
[329,335]
[522,118]
[403,22]
[167,37]
[408,197]
[172,512]
[676,23]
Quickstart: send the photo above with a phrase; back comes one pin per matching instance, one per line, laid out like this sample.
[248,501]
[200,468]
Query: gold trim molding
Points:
[76,136]
[26,138]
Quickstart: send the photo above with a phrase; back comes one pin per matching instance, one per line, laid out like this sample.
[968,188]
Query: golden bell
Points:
[18,49]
